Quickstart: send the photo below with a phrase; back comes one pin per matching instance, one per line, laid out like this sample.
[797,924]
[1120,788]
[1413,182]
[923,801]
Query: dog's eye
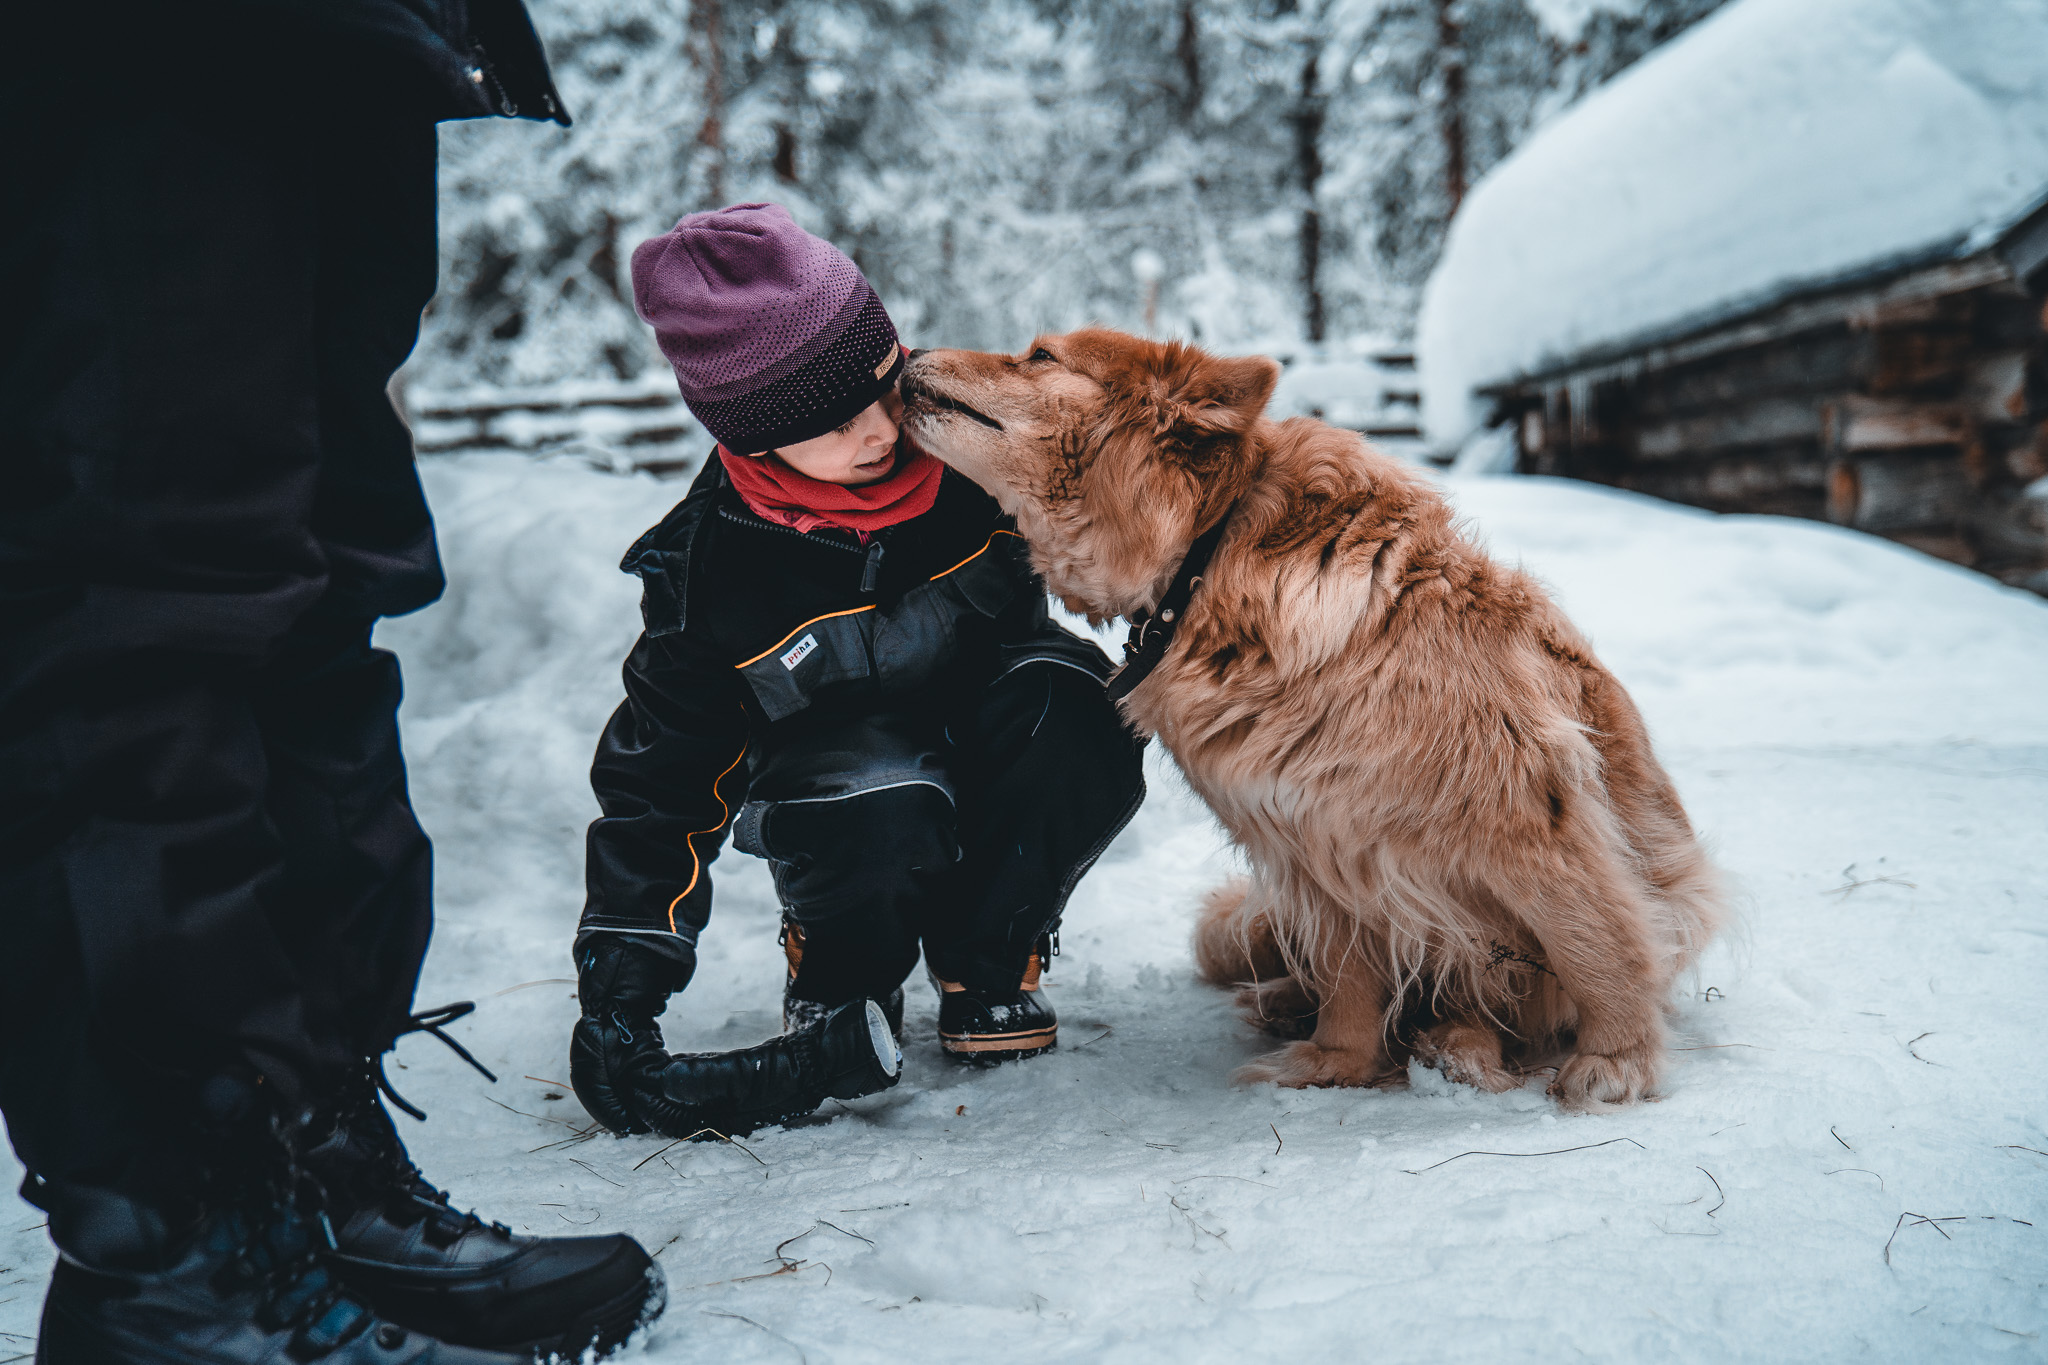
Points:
[1042,354]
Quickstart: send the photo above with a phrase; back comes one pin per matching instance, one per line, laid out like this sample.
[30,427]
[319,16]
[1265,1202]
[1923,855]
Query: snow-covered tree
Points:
[1257,173]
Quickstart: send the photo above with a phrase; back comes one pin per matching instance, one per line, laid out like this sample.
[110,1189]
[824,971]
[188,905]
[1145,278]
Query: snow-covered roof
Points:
[1778,144]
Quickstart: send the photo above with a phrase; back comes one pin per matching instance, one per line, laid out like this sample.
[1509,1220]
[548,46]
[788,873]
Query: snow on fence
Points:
[642,424]
[634,424]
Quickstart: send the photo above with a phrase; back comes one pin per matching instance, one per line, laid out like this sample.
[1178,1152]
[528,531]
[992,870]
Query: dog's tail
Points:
[1236,939]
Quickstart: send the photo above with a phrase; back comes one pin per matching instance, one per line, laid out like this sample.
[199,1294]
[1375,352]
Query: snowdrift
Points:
[1849,1159]
[1780,143]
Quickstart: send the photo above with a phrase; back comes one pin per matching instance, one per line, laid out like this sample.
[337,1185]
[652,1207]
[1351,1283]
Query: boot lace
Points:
[432,1022]
[276,1250]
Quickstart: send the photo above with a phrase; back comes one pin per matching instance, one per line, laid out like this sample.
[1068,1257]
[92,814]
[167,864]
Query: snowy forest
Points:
[1252,175]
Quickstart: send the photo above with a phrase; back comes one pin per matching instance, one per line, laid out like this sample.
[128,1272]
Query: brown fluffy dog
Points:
[1460,842]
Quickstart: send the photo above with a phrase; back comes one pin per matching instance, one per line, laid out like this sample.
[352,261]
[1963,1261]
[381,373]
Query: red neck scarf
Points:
[775,492]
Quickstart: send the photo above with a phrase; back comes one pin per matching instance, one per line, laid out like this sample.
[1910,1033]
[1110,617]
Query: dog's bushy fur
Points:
[1460,842]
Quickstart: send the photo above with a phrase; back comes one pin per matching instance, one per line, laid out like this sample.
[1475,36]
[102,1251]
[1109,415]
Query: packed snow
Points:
[1851,1157]
[1778,143]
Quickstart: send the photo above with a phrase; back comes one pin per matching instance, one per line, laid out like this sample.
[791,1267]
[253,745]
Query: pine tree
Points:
[1252,174]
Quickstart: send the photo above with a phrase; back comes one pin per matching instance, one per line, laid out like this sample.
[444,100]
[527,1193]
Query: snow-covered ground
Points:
[1779,143]
[1851,1159]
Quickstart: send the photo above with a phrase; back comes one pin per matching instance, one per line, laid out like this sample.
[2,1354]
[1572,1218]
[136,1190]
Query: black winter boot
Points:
[997,1026]
[849,1053]
[419,1262]
[246,1289]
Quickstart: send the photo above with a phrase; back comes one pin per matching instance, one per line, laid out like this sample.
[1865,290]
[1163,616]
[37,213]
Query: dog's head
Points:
[1111,451]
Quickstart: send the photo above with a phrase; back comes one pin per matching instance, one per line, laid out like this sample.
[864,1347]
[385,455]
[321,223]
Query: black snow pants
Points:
[210,873]
[965,833]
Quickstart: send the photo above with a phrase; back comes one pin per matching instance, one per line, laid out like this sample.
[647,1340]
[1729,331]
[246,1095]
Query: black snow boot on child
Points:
[246,1287]
[849,1053]
[630,1084]
[400,1247]
[997,1026]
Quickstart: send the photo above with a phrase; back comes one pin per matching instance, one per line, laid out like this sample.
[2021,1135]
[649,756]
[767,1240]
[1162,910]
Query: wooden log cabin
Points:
[1793,261]
[1909,400]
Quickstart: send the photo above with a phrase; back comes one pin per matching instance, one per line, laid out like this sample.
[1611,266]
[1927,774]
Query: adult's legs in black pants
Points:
[213,896]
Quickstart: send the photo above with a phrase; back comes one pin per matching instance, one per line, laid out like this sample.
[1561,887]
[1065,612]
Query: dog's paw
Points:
[1469,1054]
[1299,1066]
[1282,1007]
[1592,1081]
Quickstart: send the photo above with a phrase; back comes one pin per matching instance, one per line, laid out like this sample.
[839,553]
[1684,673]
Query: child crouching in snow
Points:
[847,660]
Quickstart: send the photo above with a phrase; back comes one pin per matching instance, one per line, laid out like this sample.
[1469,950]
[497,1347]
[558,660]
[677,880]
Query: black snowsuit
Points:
[918,751]
[219,237]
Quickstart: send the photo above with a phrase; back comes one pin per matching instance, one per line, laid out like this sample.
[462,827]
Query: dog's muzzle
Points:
[917,394]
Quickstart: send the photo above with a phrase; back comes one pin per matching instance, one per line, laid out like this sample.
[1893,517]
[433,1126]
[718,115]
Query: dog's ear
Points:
[1202,405]
[1217,393]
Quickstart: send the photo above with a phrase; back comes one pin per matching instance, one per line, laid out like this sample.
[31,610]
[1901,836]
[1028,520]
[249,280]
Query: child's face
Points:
[861,452]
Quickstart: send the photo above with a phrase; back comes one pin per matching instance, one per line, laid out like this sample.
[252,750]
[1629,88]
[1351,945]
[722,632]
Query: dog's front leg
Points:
[1349,1046]
[1595,934]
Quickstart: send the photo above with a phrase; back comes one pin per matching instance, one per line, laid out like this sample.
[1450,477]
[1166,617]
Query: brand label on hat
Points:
[887,361]
[797,652]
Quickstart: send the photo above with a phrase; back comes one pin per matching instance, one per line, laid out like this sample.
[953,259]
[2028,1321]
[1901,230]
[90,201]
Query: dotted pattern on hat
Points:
[778,334]
[837,384]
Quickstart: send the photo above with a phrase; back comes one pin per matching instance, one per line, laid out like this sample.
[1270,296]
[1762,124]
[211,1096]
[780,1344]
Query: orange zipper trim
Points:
[697,863]
[965,562]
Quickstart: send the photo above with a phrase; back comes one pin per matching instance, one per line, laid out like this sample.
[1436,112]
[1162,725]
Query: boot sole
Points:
[999,1047]
[608,1327]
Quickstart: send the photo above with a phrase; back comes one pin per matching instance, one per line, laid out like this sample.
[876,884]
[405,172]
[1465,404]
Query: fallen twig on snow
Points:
[1844,1170]
[848,1232]
[1717,1190]
[548,981]
[1559,1152]
[1839,1138]
[1916,1056]
[1923,1220]
[1846,887]
[2015,1147]
[1182,1180]
[579,1135]
[596,1172]
[537,1118]
[1278,1141]
[1182,1209]
[1850,882]
[713,1132]
[719,1313]
[655,1153]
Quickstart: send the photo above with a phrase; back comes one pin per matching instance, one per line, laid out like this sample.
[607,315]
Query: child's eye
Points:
[844,427]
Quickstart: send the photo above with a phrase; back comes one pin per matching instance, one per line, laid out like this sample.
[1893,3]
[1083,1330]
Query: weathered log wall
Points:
[1914,408]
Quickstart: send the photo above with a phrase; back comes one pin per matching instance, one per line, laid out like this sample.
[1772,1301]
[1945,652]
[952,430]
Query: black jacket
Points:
[284,59]
[482,57]
[754,632]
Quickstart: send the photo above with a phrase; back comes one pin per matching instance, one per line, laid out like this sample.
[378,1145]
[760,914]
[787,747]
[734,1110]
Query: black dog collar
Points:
[1152,632]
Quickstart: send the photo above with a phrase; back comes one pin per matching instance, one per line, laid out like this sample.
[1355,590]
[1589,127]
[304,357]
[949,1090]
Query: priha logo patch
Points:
[796,652]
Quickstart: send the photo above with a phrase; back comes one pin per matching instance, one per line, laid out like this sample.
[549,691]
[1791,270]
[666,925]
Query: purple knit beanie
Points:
[775,335]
